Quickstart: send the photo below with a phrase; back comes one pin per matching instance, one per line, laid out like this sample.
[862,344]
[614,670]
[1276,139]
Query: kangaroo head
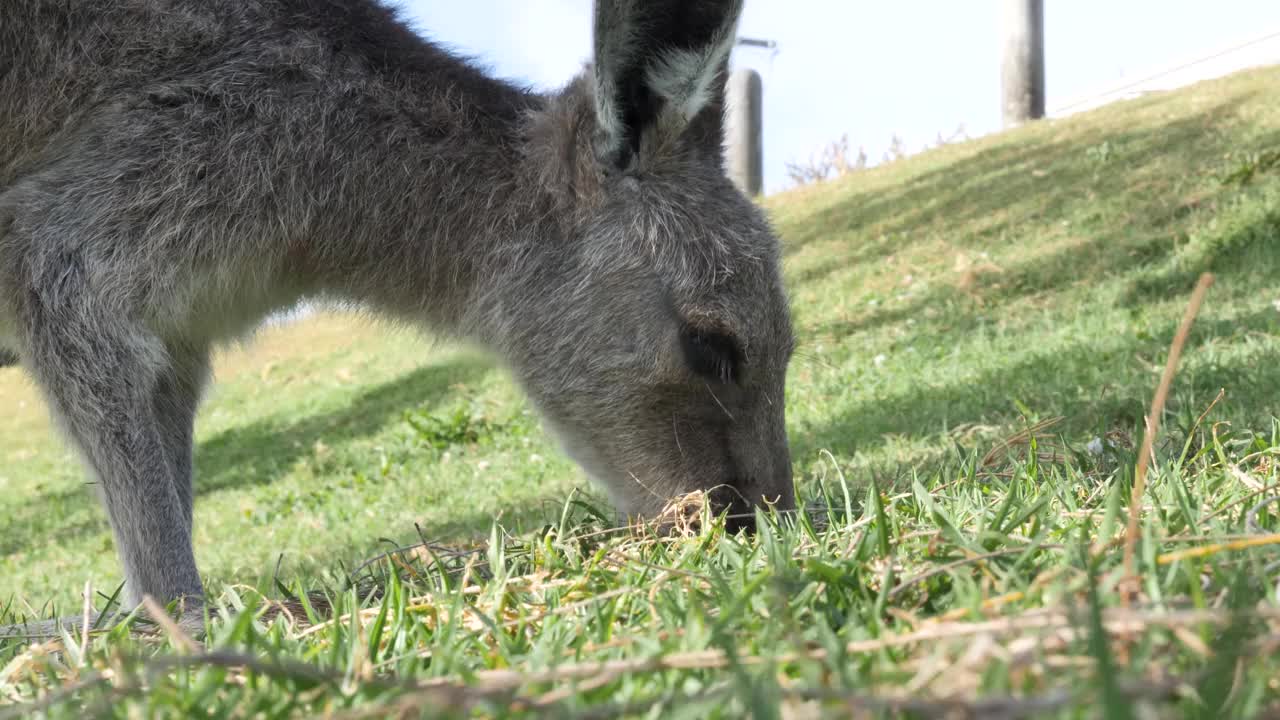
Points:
[657,332]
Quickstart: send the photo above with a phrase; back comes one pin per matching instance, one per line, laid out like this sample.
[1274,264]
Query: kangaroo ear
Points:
[659,64]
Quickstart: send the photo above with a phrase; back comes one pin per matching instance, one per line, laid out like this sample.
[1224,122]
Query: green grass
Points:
[982,328]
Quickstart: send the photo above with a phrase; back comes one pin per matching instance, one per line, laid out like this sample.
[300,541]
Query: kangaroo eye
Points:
[712,355]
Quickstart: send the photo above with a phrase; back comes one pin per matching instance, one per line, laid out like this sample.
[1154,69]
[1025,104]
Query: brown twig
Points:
[1222,392]
[991,707]
[856,703]
[1115,621]
[1153,423]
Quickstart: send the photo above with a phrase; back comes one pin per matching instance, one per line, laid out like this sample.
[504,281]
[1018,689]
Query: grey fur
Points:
[172,171]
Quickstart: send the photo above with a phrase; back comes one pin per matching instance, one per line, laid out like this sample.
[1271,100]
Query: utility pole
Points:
[744,126]
[743,129]
[1022,70]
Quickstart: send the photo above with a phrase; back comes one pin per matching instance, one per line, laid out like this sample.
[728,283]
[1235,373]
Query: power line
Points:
[1169,71]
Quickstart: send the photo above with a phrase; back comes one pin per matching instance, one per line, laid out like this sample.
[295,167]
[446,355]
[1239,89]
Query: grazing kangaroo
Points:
[172,171]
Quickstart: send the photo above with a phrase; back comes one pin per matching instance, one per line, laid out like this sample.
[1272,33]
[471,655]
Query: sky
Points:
[875,69]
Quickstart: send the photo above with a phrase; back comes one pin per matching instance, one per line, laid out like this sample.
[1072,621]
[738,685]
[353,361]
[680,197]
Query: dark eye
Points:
[712,355]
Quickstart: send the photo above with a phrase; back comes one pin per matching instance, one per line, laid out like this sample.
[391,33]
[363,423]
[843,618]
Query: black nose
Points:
[739,515]
[740,521]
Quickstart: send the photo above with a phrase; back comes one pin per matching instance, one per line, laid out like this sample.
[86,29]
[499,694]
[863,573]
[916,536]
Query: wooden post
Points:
[1022,70]
[743,131]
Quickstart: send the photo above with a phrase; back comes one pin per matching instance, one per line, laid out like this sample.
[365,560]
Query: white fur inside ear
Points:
[630,36]
[617,45]
[683,77]
[607,116]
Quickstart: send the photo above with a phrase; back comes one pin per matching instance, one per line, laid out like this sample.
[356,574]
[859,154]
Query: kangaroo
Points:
[173,171]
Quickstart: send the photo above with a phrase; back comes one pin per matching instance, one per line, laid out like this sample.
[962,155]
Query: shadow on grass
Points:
[326,566]
[247,455]
[1002,193]
[1096,384]
[26,525]
[262,451]
[1130,201]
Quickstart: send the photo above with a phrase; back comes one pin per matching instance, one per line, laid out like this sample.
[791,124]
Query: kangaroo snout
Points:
[739,498]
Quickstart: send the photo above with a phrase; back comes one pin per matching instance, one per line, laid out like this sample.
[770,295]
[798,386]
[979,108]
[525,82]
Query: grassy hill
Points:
[982,328]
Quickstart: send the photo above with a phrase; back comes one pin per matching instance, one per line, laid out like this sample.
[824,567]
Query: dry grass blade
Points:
[1019,439]
[86,619]
[682,516]
[1240,501]
[1245,478]
[172,629]
[1214,549]
[1153,422]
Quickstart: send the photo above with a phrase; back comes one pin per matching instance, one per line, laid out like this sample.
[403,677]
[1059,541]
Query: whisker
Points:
[722,407]
[647,489]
